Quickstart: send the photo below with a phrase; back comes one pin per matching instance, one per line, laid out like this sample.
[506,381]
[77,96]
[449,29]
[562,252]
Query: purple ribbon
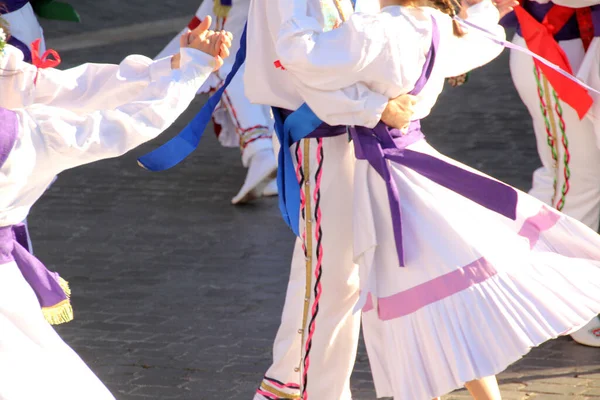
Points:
[382,144]
[14,245]
[45,284]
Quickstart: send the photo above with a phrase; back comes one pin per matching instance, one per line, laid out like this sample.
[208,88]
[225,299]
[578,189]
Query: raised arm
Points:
[63,139]
[353,105]
[86,87]
[80,89]
[350,53]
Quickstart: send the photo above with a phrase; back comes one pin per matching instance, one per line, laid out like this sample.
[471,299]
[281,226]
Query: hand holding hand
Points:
[216,44]
[399,111]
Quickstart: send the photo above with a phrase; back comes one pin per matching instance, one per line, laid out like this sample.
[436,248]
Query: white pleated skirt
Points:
[478,290]
[34,361]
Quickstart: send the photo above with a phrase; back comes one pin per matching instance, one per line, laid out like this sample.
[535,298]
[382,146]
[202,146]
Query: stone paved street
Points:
[177,293]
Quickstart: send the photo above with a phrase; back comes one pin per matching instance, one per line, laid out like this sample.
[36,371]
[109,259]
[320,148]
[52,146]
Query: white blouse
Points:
[385,52]
[266,84]
[85,114]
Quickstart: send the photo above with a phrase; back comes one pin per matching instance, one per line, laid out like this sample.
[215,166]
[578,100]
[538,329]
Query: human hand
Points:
[505,6]
[399,111]
[216,44]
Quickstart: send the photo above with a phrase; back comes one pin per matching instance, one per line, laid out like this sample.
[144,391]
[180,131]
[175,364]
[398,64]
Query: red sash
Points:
[539,37]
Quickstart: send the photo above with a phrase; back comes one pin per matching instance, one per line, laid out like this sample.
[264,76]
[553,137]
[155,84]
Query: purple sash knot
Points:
[383,144]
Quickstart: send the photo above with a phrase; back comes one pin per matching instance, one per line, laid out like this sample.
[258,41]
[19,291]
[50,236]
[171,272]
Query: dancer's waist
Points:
[403,138]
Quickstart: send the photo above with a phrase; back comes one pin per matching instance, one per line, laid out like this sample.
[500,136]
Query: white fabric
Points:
[337,328]
[71,118]
[85,114]
[243,124]
[406,34]
[34,362]
[437,348]
[25,27]
[536,294]
[367,6]
[266,84]
[582,201]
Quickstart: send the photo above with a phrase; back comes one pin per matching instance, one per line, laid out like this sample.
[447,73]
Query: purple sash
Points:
[51,290]
[382,144]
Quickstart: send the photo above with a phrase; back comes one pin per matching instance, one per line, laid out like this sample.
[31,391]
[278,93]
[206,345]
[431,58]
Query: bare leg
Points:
[484,389]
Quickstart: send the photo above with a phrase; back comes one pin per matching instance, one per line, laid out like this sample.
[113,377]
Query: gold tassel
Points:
[58,314]
[64,285]
[220,10]
[62,312]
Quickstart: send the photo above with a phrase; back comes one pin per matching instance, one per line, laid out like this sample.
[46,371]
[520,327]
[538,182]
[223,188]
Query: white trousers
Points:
[579,176]
[318,357]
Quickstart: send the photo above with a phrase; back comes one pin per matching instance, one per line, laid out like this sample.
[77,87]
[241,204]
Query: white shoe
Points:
[271,189]
[589,335]
[262,170]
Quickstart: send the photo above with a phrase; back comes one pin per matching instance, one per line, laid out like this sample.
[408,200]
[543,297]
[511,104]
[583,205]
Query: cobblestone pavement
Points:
[177,293]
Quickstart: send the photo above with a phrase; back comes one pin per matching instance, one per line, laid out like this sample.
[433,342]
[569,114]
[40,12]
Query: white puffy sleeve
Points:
[353,105]
[460,55]
[63,139]
[99,86]
[350,53]
[80,89]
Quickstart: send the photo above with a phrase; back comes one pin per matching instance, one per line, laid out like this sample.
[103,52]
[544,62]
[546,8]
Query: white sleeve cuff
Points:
[375,104]
[196,64]
[160,68]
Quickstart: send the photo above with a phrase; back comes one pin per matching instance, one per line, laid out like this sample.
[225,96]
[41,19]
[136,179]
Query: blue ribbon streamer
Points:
[181,146]
[296,127]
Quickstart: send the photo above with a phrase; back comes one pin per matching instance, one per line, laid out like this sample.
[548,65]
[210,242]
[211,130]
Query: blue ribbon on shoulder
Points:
[181,146]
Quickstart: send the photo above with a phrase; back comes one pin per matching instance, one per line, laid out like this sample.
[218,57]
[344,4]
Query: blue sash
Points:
[177,149]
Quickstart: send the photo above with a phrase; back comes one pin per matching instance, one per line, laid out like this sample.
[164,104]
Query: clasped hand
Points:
[216,44]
